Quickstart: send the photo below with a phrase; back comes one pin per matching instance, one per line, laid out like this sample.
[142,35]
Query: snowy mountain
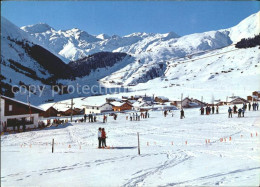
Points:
[129,60]
[152,51]
[25,63]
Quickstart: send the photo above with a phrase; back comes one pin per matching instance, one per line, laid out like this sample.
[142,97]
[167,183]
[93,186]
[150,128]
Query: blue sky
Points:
[122,18]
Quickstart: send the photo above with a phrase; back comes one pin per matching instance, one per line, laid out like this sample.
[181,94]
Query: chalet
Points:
[98,108]
[189,103]
[200,103]
[238,100]
[256,93]
[117,106]
[50,112]
[184,103]
[136,97]
[126,97]
[161,99]
[140,105]
[252,98]
[74,111]
[13,111]
[146,99]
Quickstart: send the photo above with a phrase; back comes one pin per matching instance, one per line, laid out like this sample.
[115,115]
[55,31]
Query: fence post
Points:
[138,143]
[52,145]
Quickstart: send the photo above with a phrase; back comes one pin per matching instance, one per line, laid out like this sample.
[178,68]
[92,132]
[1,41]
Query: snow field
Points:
[234,162]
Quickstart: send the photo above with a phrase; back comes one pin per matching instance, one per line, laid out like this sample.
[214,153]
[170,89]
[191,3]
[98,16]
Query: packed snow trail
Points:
[173,152]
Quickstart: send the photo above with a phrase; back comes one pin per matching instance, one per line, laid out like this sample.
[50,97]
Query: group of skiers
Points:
[241,111]
[209,110]
[91,118]
[102,138]
[137,117]
[254,105]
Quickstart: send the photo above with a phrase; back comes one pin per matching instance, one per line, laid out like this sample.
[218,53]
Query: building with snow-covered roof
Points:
[140,105]
[50,112]
[97,108]
[118,106]
[238,100]
[189,103]
[256,93]
[161,99]
[146,99]
[14,112]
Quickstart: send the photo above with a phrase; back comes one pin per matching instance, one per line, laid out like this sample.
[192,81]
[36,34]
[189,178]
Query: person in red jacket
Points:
[103,137]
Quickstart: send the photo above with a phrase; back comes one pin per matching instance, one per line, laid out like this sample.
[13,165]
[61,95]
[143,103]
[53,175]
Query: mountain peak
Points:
[37,28]
[103,36]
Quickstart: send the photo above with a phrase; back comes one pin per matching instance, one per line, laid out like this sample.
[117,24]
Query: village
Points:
[17,116]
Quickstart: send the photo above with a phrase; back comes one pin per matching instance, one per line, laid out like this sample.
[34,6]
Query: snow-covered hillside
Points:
[74,43]
[164,60]
[25,63]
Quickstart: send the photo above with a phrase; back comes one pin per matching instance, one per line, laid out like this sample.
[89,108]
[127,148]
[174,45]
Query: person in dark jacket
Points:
[217,111]
[239,112]
[201,111]
[182,113]
[99,137]
[213,109]
[243,112]
[235,109]
[85,118]
[249,106]
[229,112]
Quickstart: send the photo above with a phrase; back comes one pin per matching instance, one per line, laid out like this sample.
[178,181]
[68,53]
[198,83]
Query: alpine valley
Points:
[145,62]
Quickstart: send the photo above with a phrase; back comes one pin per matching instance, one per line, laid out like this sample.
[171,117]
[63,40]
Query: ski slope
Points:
[165,160]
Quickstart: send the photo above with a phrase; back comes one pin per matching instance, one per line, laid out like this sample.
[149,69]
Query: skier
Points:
[104,119]
[165,113]
[85,118]
[254,106]
[99,137]
[89,118]
[235,109]
[95,118]
[182,114]
[257,106]
[249,106]
[239,112]
[146,114]
[213,109]
[103,137]
[201,111]
[243,112]
[115,116]
[229,112]
[244,106]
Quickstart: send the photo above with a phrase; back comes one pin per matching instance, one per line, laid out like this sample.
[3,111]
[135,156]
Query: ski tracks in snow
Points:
[212,176]
[172,161]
